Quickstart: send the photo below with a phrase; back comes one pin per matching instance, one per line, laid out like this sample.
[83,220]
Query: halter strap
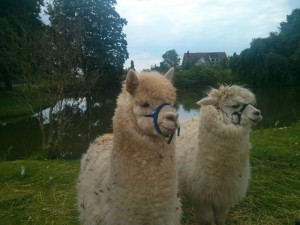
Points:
[172,135]
[155,117]
[155,120]
[239,113]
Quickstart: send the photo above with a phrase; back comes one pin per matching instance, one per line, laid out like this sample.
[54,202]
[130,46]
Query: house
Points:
[203,57]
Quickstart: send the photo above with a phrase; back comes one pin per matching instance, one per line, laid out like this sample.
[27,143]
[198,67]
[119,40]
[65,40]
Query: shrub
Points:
[195,77]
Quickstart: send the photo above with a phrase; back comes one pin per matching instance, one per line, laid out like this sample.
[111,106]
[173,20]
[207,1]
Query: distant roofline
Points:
[193,57]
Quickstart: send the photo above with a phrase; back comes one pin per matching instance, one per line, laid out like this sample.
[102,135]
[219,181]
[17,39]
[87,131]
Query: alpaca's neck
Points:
[143,168]
[218,129]
[130,139]
[132,143]
[135,154]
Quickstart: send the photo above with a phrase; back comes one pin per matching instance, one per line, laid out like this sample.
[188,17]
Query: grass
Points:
[46,194]
[273,196]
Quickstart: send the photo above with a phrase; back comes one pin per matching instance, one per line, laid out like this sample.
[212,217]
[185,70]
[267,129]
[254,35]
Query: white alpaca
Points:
[213,153]
[129,177]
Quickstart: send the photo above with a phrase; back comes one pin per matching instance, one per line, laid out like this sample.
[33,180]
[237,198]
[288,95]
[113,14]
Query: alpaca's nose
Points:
[257,113]
[172,116]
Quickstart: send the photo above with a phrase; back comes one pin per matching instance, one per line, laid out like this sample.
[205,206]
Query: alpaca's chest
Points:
[158,213]
[142,163]
[144,191]
[220,162]
[142,175]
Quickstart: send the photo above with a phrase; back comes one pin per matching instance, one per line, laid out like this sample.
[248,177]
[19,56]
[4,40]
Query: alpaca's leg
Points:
[221,215]
[204,215]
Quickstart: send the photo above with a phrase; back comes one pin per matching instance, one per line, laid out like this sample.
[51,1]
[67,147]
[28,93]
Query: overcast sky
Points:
[156,26]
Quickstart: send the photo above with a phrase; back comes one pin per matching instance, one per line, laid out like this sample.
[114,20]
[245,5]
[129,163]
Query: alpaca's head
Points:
[151,98]
[235,103]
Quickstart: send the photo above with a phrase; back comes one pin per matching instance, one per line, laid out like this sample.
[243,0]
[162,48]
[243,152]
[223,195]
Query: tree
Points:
[196,77]
[25,9]
[84,41]
[19,25]
[290,32]
[170,59]
[103,45]
[62,79]
[272,61]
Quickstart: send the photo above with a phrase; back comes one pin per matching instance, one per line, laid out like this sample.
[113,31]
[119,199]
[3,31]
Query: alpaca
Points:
[213,153]
[129,177]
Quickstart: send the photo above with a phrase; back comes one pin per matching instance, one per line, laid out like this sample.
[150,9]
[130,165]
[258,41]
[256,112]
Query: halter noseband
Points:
[239,113]
[155,120]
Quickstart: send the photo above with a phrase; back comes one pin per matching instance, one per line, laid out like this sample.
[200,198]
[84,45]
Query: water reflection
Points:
[75,104]
[280,106]
[92,116]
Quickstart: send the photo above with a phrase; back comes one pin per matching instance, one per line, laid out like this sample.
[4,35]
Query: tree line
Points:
[85,39]
[272,61]
[189,76]
[81,47]
[82,38]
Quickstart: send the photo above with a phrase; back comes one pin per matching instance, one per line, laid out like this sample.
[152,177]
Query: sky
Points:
[156,26]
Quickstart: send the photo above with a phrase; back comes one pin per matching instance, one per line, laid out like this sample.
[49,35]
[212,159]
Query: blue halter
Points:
[239,113]
[155,118]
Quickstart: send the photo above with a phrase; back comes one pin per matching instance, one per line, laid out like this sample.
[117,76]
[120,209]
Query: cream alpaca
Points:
[213,153]
[129,177]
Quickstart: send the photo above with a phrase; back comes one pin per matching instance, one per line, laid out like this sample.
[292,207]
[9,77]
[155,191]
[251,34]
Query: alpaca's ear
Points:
[131,81]
[169,74]
[207,101]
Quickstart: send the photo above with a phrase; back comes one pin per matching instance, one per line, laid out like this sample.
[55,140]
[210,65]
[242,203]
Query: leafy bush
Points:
[195,77]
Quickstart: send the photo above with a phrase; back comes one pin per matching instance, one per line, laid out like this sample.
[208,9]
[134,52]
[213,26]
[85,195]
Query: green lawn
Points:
[273,196]
[46,193]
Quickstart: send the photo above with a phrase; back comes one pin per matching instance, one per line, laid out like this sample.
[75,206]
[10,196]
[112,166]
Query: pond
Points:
[280,107]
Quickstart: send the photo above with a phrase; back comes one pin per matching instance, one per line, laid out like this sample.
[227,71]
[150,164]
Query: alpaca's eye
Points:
[145,105]
[236,106]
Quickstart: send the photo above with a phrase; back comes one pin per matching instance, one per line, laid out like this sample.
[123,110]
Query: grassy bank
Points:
[16,105]
[46,193]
